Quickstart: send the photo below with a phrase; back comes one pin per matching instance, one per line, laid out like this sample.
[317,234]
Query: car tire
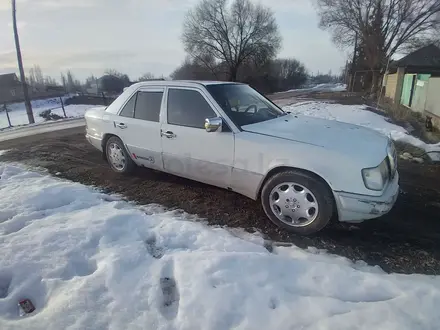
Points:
[297,201]
[118,157]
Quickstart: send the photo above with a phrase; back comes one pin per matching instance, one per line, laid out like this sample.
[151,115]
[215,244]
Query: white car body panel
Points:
[142,138]
[239,159]
[198,162]
[313,144]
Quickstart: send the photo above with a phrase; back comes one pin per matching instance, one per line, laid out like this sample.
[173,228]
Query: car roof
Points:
[182,83]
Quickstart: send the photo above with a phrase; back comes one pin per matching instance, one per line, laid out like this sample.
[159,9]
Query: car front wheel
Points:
[297,201]
[118,157]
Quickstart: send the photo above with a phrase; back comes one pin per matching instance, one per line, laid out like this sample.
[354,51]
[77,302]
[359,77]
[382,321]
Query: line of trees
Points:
[112,81]
[271,76]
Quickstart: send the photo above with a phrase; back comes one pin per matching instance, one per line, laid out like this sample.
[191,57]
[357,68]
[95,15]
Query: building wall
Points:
[13,94]
[390,85]
[432,104]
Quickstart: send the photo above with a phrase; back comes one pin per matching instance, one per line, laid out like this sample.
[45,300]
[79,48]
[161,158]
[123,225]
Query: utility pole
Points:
[27,101]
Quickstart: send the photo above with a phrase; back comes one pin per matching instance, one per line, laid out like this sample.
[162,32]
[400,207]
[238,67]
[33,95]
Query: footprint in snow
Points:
[273,303]
[5,283]
[169,306]
[152,248]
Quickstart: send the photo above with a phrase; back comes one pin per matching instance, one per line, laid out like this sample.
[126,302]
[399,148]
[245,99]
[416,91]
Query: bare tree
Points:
[230,33]
[36,78]
[383,26]
[39,77]
[291,73]
[147,76]
[124,77]
[113,72]
[64,82]
[192,69]
[70,82]
[27,100]
[50,81]
[425,40]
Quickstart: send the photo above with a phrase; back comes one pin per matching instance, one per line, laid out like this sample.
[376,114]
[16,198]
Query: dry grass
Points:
[402,115]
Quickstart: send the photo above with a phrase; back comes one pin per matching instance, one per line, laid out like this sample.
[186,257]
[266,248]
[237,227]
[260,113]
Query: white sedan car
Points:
[305,171]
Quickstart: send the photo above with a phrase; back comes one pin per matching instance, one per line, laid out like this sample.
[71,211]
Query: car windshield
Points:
[243,104]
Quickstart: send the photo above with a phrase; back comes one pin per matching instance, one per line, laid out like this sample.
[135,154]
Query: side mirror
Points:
[213,124]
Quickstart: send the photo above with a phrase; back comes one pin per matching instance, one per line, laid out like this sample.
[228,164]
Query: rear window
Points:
[128,109]
[148,106]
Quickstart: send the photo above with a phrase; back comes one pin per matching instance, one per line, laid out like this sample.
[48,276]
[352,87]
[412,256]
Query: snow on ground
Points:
[90,261]
[50,126]
[18,116]
[358,115]
[39,104]
[322,88]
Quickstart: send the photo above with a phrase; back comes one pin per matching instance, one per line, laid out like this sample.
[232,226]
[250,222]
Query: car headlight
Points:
[375,178]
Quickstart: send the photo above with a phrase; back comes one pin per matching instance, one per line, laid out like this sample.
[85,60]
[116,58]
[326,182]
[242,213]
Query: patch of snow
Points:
[89,261]
[48,103]
[18,116]
[359,115]
[48,126]
[330,87]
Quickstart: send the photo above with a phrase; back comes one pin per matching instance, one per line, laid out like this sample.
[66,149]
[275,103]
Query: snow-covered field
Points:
[90,261]
[356,114]
[18,116]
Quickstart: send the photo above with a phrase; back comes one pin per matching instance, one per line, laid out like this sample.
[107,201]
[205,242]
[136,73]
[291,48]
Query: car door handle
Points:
[168,134]
[121,125]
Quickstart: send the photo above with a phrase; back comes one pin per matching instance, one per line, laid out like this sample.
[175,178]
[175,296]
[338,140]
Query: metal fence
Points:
[8,116]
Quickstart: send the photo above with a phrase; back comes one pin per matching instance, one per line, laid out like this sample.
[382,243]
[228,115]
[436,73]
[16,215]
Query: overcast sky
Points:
[138,36]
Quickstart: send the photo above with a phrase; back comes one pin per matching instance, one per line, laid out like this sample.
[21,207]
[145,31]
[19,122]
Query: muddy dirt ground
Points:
[407,240]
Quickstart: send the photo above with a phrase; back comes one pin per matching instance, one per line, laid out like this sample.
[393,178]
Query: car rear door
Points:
[188,149]
[138,125]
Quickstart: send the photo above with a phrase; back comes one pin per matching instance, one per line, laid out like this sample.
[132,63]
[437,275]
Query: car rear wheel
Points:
[118,157]
[297,201]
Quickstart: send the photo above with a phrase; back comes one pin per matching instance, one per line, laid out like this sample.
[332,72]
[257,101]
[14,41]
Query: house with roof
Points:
[414,81]
[10,88]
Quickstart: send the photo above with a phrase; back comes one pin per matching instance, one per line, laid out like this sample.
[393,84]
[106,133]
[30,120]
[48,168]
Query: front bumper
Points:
[357,208]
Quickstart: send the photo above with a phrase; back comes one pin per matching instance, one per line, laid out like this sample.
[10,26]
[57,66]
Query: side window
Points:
[188,108]
[148,106]
[128,110]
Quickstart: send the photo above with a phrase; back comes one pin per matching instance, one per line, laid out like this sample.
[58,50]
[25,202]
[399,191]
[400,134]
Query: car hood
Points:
[351,140]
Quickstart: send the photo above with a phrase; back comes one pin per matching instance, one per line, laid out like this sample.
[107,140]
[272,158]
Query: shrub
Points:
[48,115]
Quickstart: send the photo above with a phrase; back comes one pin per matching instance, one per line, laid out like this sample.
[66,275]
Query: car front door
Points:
[188,149]
[138,124]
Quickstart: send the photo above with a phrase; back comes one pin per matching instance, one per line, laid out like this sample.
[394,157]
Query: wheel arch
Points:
[104,140]
[280,169]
